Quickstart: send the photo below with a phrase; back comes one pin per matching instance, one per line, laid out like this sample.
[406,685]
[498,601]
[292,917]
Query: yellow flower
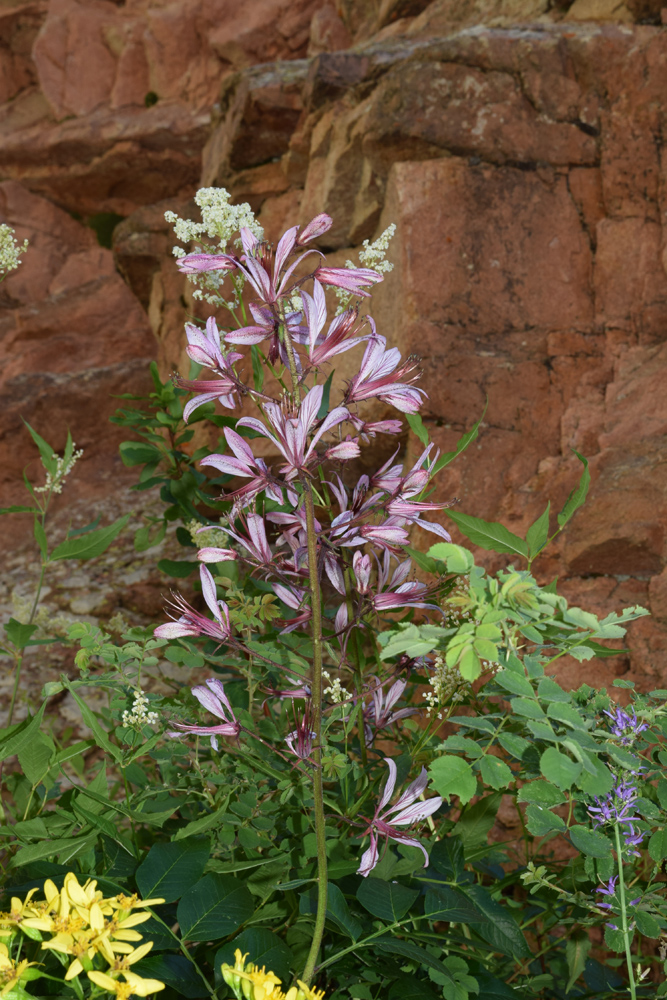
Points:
[10,971]
[122,902]
[257,984]
[303,993]
[134,985]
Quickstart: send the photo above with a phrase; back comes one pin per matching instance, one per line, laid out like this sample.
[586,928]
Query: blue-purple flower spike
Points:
[625,725]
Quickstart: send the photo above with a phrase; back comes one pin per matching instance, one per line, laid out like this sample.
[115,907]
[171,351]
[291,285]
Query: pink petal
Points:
[389,786]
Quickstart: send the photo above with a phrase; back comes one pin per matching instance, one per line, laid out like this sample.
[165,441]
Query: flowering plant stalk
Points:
[353,537]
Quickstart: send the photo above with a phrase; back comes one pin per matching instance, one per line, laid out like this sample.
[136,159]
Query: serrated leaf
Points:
[488,534]
[453,776]
[559,769]
[590,842]
[495,772]
[540,821]
[515,683]
[541,793]
[91,545]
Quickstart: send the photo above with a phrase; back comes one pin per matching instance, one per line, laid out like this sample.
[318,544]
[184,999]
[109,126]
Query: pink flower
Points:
[352,279]
[215,701]
[254,541]
[408,595]
[323,348]
[300,740]
[316,227]
[192,622]
[268,324]
[204,347]
[293,597]
[289,434]
[222,389]
[246,466]
[406,811]
[194,262]
[368,430]
[380,712]
[210,554]
[379,376]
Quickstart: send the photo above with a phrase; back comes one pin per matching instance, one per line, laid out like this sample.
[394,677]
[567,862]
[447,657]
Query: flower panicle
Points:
[84,925]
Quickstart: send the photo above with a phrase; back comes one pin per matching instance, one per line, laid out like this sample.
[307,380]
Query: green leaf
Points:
[46,452]
[453,776]
[92,544]
[21,735]
[549,690]
[495,772]
[444,903]
[501,930]
[541,821]
[264,947]
[461,445]
[417,427]
[18,633]
[488,534]
[577,497]
[598,784]
[18,509]
[338,911]
[40,537]
[91,720]
[204,823]
[624,757]
[169,869]
[35,757]
[66,848]
[456,558]
[538,533]
[541,793]
[577,948]
[515,745]
[646,924]
[213,907]
[475,822]
[174,970]
[139,453]
[389,901]
[657,845]
[447,857]
[614,939]
[590,842]
[400,946]
[515,683]
[529,709]
[257,368]
[567,714]
[178,568]
[559,769]
[326,393]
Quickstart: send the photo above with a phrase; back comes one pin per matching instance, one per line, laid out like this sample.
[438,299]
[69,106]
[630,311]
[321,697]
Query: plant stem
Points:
[624,914]
[318,791]
[316,698]
[19,659]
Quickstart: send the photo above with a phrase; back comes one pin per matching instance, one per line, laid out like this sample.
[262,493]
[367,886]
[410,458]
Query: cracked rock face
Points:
[517,145]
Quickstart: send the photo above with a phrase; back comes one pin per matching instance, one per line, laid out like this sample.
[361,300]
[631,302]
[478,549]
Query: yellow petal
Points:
[38,923]
[74,970]
[96,918]
[123,935]
[133,919]
[4,950]
[50,891]
[142,987]
[139,952]
[106,982]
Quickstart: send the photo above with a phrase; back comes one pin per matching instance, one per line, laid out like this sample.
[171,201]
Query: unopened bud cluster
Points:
[335,690]
[445,682]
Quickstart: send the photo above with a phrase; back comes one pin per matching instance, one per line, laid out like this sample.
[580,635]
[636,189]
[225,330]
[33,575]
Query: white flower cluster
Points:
[220,221]
[138,716]
[335,689]
[446,683]
[10,250]
[373,255]
[55,481]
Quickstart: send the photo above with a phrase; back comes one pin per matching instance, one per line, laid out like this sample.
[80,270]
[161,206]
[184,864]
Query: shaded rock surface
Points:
[517,145]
